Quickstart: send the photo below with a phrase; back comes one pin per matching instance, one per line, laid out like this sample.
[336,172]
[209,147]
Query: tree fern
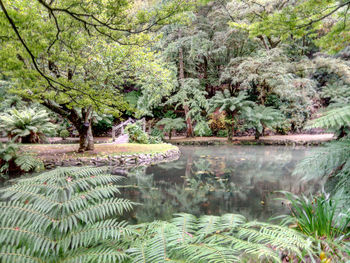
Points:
[227,238]
[234,107]
[27,125]
[65,215]
[333,119]
[12,160]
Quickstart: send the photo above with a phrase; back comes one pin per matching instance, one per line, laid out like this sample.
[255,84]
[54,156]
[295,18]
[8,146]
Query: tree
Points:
[171,124]
[324,21]
[27,125]
[191,97]
[234,108]
[74,57]
[13,161]
[261,117]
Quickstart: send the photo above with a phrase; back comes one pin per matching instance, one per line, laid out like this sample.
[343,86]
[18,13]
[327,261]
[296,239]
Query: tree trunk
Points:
[82,124]
[86,139]
[257,135]
[189,132]
[229,131]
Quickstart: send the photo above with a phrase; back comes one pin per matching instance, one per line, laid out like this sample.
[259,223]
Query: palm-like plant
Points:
[12,161]
[234,107]
[28,125]
[169,125]
[261,117]
[65,215]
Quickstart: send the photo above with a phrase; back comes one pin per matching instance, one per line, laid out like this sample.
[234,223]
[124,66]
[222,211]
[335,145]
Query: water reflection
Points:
[217,180]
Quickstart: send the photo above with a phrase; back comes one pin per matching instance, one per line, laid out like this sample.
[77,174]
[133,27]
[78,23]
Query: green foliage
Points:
[102,123]
[222,133]
[28,125]
[304,18]
[170,114]
[13,161]
[64,134]
[261,117]
[318,216]
[217,122]
[65,215]
[333,119]
[234,107]
[226,238]
[136,134]
[329,161]
[171,124]
[202,129]
[191,94]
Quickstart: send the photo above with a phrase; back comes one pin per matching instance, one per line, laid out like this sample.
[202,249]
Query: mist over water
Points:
[215,180]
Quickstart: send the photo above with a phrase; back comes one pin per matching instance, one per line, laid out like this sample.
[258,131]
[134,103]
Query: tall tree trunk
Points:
[189,132]
[86,139]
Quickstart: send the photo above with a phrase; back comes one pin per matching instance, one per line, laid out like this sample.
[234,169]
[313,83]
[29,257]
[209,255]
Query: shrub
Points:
[222,133]
[102,124]
[136,134]
[202,129]
[64,134]
[29,125]
[65,215]
[217,122]
[261,117]
[12,161]
[157,133]
[318,216]
[169,125]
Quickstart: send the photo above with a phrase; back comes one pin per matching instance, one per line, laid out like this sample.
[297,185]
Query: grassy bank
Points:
[62,151]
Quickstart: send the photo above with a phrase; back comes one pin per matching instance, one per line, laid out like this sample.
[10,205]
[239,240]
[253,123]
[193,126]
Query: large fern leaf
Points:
[65,215]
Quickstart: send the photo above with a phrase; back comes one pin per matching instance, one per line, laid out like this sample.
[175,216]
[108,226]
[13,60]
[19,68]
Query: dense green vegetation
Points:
[196,68]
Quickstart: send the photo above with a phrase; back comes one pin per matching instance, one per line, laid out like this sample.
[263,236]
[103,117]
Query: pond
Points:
[217,180]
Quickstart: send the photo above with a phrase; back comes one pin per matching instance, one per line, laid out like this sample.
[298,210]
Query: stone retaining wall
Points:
[255,142]
[123,161]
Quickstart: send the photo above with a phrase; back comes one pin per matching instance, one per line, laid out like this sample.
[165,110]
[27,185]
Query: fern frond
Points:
[216,239]
[65,215]
[332,119]
[20,255]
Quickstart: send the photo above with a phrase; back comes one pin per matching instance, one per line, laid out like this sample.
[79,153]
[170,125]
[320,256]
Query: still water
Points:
[218,180]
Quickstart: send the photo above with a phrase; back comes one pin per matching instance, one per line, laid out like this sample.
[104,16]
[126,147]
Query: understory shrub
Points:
[28,125]
[322,218]
[136,134]
[217,122]
[169,125]
[202,129]
[13,161]
[222,133]
[64,134]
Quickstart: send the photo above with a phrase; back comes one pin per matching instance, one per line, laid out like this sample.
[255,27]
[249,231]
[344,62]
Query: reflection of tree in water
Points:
[217,180]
